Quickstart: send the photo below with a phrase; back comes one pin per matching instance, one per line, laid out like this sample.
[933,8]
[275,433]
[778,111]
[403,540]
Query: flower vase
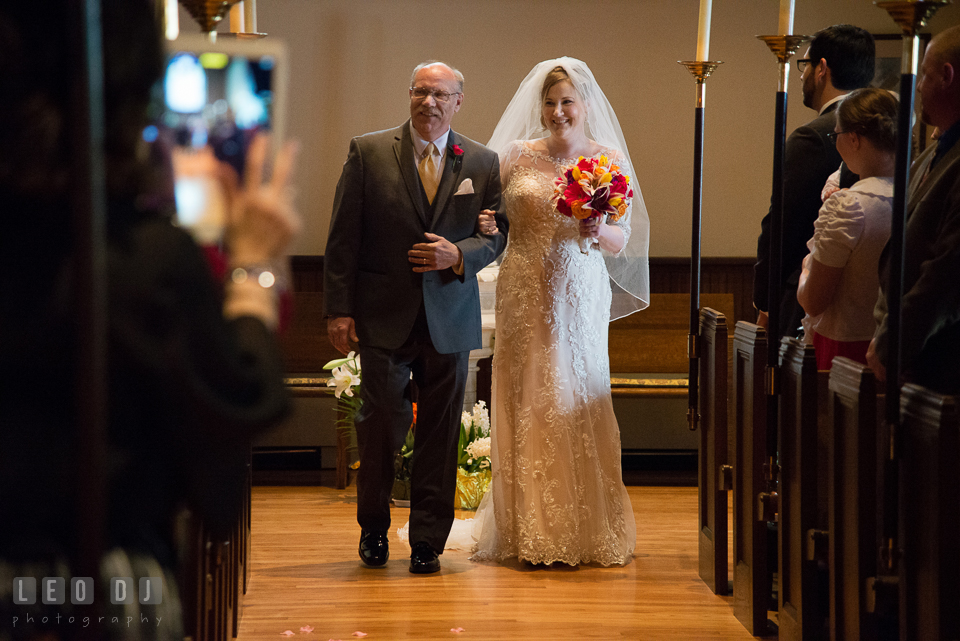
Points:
[471,486]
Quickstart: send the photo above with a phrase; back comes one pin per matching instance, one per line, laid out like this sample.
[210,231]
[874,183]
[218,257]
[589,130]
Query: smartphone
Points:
[216,98]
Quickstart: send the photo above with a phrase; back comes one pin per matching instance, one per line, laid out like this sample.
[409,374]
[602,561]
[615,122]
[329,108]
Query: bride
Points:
[557,493]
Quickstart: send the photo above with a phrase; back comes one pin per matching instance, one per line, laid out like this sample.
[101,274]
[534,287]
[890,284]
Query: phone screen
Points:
[214,103]
[218,99]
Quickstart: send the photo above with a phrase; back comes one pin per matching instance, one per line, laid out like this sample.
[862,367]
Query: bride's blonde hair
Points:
[554,77]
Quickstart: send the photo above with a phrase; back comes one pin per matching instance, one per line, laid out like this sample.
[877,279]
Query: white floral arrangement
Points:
[346,377]
[474,447]
[345,373]
[480,450]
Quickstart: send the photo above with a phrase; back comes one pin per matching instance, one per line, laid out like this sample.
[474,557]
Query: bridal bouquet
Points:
[592,187]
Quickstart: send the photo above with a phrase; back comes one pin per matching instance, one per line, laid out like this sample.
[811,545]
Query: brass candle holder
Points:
[783,47]
[701,70]
[912,15]
[208,13]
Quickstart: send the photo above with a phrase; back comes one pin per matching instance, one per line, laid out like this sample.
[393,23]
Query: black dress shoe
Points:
[374,549]
[423,559]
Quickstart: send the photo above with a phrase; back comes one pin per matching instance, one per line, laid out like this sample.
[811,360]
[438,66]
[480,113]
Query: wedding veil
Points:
[629,273]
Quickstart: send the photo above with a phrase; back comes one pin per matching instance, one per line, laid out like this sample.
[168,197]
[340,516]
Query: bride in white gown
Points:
[557,493]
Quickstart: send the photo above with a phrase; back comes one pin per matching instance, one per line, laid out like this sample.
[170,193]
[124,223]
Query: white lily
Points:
[344,380]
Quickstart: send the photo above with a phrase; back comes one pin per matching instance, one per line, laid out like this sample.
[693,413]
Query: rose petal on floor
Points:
[306,629]
[457,630]
[287,633]
[359,634]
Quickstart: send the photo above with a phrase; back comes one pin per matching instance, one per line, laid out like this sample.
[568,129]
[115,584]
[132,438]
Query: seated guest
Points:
[193,368]
[839,284]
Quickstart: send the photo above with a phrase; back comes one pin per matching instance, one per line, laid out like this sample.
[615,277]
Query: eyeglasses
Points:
[421,93]
[802,63]
[832,136]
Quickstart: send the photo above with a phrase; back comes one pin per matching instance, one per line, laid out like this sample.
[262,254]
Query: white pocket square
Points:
[466,187]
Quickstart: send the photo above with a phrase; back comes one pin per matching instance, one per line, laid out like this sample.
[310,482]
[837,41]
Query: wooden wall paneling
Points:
[752,579]
[929,516]
[800,615]
[852,499]
[712,512]
[304,341]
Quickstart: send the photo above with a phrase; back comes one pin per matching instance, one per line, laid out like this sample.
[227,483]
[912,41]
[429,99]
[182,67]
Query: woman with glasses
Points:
[839,283]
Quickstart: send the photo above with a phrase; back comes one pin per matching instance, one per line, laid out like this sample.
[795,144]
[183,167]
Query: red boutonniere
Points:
[457,156]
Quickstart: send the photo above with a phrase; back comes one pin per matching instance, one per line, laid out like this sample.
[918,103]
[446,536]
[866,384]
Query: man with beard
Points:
[840,59]
[930,313]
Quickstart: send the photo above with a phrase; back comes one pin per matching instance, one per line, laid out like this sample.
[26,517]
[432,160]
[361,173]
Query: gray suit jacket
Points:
[379,213]
[930,312]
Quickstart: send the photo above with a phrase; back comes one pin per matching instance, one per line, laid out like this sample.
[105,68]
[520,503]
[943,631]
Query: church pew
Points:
[752,579]
[801,616]
[929,516]
[212,575]
[852,505]
[713,471]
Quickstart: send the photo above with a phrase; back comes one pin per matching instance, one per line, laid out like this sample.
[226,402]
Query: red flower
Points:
[457,151]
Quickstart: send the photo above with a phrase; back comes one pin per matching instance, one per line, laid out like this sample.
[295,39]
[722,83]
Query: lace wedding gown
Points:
[557,491]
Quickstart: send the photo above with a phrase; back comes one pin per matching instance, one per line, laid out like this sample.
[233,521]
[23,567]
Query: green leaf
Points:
[337,362]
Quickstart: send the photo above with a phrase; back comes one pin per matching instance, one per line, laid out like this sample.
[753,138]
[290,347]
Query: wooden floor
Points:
[306,574]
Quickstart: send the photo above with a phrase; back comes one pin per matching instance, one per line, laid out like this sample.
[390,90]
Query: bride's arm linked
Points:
[487,223]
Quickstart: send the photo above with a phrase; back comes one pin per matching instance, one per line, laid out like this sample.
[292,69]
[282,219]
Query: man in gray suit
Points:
[930,312]
[400,272]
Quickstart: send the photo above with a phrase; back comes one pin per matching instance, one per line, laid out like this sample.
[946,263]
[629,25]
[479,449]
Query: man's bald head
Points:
[946,46]
[939,86]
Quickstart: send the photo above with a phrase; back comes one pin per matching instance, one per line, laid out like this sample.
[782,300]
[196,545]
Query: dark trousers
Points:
[382,425]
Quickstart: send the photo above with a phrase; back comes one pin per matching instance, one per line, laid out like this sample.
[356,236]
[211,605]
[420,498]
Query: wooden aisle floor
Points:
[305,573]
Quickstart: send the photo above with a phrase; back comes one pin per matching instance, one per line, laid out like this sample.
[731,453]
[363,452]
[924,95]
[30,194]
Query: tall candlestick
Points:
[703,30]
[786,17]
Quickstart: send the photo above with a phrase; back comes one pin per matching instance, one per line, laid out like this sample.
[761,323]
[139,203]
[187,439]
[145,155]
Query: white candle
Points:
[171,18]
[250,15]
[786,18]
[703,30]
[236,18]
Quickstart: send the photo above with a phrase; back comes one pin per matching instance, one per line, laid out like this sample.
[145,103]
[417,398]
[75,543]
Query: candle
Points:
[236,18]
[250,15]
[703,30]
[171,18]
[786,18]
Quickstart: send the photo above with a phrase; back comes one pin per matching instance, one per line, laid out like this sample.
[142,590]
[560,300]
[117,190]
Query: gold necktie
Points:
[428,171]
